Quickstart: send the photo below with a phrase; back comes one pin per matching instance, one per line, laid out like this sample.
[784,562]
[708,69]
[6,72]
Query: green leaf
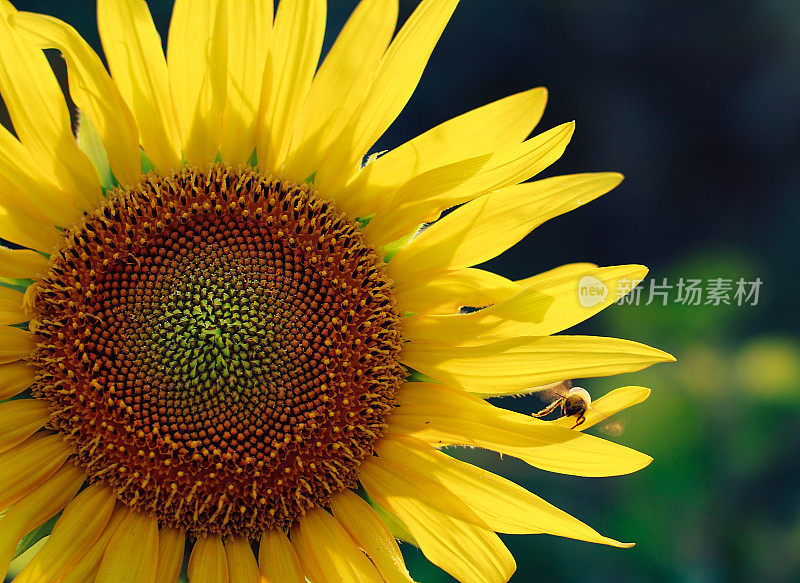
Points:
[35,536]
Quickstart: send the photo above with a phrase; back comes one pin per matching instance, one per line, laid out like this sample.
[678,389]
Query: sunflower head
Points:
[219,346]
[224,327]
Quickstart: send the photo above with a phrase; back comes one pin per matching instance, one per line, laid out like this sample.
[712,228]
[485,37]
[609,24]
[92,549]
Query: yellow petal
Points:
[249,32]
[511,366]
[571,303]
[315,571]
[15,377]
[28,465]
[424,197]
[197,58]
[208,564]
[91,89]
[133,51]
[87,566]
[372,535]
[171,544]
[132,552]
[540,309]
[556,273]
[22,263]
[28,190]
[23,225]
[11,311]
[242,565]
[36,508]
[40,116]
[15,343]
[340,85]
[75,532]
[394,524]
[443,416]
[396,78]
[484,228]
[277,559]
[502,504]
[328,553]
[29,300]
[90,142]
[467,549]
[19,419]
[480,131]
[291,63]
[510,318]
[446,292]
[606,406]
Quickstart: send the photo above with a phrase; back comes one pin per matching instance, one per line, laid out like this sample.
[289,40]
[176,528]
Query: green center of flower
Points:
[220,347]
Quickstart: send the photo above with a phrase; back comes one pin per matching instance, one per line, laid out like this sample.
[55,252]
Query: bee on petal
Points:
[573,401]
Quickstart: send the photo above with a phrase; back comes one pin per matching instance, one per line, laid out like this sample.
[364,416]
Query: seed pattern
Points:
[220,347]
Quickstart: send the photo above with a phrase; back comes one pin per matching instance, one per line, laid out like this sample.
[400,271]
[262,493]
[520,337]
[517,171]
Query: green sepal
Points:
[252,161]
[311,178]
[391,249]
[35,536]
[26,394]
[414,376]
[392,522]
[90,143]
[395,525]
[145,163]
[17,284]
[364,221]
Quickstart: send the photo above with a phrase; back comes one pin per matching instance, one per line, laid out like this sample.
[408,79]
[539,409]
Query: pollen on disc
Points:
[220,347]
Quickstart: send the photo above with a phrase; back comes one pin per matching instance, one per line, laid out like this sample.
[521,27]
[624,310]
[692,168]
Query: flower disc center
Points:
[220,347]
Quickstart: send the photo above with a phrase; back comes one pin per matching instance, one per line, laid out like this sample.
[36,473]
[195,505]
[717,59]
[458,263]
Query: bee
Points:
[574,401]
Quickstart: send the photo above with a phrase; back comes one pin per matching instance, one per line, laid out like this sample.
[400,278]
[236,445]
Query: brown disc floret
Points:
[220,347]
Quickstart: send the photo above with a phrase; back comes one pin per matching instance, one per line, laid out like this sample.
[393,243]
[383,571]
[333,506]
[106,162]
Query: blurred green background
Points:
[697,104]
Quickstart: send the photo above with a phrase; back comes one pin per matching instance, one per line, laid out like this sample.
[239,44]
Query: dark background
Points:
[697,104]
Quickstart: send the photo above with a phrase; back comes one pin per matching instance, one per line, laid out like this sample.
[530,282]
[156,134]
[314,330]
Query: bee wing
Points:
[552,391]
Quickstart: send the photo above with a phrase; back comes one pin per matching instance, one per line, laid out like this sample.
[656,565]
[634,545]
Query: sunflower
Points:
[225,334]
